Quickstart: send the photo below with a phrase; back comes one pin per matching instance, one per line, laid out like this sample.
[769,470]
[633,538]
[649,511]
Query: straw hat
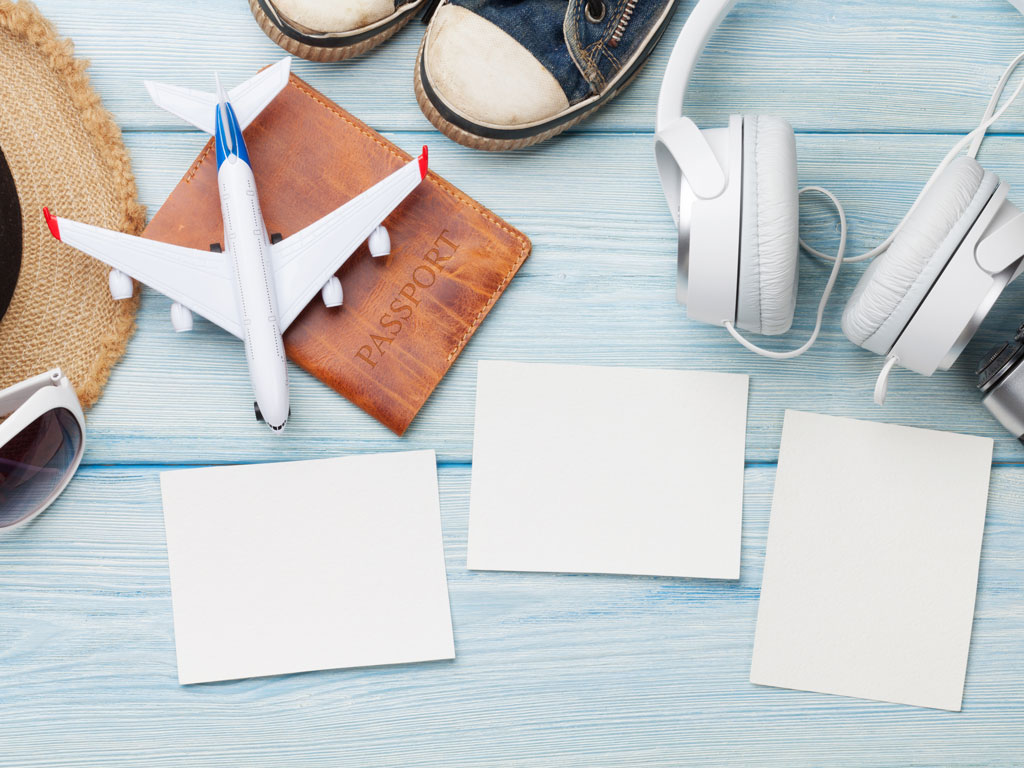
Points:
[64,151]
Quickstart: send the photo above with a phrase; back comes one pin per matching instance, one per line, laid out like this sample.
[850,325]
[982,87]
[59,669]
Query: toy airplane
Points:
[256,285]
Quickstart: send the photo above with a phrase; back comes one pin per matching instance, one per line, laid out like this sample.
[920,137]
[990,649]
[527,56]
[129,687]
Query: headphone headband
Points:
[700,26]
[683,155]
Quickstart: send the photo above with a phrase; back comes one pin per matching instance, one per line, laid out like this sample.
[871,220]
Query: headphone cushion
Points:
[897,281]
[769,234]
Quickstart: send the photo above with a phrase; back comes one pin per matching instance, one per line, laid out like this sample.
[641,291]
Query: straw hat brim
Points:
[64,151]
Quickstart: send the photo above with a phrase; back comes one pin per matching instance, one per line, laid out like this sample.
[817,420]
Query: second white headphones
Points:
[733,194]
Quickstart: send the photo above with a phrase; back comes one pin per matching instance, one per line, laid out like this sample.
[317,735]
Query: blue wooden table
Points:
[551,670]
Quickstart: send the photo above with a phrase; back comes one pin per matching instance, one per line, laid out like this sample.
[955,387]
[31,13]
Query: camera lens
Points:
[990,358]
[997,362]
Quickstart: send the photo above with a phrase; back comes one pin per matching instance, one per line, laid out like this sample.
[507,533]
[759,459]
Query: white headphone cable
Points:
[837,263]
[994,102]
[974,138]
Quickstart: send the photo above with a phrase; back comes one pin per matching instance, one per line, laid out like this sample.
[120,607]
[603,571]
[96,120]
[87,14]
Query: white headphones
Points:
[733,194]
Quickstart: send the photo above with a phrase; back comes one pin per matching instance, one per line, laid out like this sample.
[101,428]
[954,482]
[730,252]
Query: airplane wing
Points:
[200,280]
[306,260]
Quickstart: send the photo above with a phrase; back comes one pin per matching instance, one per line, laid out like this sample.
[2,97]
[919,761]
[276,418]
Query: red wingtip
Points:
[51,222]
[423,163]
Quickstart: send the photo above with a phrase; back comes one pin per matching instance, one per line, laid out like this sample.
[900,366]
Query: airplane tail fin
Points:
[252,96]
[247,100]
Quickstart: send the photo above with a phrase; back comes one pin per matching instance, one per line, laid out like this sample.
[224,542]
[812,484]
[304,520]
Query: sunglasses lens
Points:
[35,463]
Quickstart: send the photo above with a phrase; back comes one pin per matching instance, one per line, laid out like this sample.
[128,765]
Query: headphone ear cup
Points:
[769,234]
[897,281]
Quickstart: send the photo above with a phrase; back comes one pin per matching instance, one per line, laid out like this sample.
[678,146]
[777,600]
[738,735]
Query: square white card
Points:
[872,562]
[306,565]
[580,469]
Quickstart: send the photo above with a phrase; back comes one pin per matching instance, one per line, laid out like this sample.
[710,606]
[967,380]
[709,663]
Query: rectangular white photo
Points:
[580,469]
[872,561]
[306,565]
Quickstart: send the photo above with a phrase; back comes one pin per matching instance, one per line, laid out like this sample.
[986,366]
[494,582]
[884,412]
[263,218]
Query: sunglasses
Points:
[41,445]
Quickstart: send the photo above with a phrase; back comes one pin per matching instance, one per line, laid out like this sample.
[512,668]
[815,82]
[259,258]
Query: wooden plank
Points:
[921,66]
[598,289]
[551,670]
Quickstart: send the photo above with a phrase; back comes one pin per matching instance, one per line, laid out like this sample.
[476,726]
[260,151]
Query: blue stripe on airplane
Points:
[232,129]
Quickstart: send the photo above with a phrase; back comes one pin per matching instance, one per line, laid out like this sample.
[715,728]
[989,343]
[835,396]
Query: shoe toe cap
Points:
[327,16]
[483,73]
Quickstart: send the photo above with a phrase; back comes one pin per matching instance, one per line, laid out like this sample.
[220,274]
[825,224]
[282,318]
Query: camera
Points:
[1001,381]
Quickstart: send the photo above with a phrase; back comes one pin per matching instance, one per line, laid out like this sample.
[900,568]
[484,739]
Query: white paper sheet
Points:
[872,561]
[306,565]
[607,470]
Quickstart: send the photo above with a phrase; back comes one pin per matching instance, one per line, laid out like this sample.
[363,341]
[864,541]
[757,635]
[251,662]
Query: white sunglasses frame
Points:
[25,402]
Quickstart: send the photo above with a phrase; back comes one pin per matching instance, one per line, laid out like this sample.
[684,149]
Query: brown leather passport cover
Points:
[406,317]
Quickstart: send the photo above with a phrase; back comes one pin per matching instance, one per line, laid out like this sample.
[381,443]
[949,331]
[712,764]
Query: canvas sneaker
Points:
[331,30]
[504,74]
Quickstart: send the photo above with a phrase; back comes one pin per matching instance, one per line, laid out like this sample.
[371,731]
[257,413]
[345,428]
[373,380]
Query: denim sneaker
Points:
[504,74]
[331,30]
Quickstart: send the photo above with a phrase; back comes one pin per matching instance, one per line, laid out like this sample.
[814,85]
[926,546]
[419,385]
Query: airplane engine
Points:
[121,286]
[181,317]
[379,242]
[332,293]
